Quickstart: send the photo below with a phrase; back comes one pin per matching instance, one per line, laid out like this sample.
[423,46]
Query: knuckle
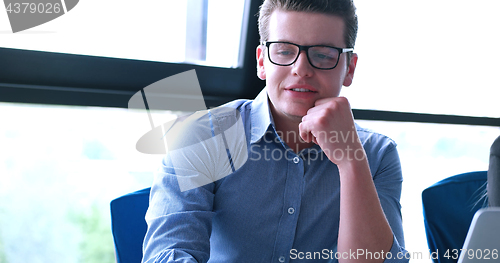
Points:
[332,104]
[329,111]
[323,119]
[343,101]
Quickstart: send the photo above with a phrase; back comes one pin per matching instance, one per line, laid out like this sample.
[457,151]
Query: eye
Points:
[322,56]
[323,53]
[283,50]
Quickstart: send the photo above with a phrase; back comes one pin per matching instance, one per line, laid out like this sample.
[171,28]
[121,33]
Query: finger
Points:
[323,101]
[326,103]
[305,133]
[317,106]
[333,102]
[311,114]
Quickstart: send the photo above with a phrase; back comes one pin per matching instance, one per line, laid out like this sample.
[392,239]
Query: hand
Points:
[330,124]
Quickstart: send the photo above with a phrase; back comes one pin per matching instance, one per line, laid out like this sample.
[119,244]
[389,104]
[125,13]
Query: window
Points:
[123,46]
[429,153]
[64,163]
[62,168]
[428,57]
[191,31]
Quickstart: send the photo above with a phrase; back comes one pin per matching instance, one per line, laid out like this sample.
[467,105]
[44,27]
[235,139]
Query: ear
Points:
[261,72]
[350,70]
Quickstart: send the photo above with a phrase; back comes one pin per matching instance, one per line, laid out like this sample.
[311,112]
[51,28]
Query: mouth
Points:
[302,88]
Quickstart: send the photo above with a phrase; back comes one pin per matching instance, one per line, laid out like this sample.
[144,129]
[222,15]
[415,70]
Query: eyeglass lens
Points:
[285,54]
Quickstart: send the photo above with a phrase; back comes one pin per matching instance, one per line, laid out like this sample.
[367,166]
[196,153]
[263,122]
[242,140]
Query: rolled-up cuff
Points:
[397,254]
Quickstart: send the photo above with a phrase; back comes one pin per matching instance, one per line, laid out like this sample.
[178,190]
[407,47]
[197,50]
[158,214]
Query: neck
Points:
[287,128]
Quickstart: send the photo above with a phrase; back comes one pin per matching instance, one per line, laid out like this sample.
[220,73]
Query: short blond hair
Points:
[342,8]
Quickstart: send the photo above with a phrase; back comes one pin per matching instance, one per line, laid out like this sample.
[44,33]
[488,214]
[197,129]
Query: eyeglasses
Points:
[319,56]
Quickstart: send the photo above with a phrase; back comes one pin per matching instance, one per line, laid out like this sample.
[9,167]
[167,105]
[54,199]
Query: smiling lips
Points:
[301,88]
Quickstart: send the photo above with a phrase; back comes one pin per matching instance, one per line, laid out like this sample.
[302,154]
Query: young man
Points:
[314,186]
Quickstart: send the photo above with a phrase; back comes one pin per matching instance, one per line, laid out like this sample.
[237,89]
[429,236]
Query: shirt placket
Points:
[291,208]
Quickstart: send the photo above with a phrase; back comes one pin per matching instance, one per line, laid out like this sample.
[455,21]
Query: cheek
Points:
[273,74]
[333,83]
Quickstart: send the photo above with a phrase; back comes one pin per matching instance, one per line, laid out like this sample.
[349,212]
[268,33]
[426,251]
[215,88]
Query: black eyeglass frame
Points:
[306,49]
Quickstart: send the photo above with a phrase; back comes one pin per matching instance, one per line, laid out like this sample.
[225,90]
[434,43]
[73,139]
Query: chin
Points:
[298,111]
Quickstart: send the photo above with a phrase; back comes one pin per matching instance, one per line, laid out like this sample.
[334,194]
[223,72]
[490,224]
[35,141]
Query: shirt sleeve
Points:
[179,223]
[204,148]
[180,211]
[388,182]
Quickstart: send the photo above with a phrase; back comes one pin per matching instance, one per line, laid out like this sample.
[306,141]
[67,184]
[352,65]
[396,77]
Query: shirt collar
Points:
[262,119]
[260,116]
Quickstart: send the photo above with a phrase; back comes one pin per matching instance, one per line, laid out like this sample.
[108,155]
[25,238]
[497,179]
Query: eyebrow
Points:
[317,44]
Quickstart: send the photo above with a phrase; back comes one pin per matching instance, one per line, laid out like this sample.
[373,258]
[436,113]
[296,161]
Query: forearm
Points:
[168,241]
[363,224]
[179,223]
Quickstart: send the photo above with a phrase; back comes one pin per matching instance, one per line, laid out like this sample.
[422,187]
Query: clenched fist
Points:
[330,124]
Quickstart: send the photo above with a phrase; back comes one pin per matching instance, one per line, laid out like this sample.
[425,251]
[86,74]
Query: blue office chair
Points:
[129,226]
[449,206]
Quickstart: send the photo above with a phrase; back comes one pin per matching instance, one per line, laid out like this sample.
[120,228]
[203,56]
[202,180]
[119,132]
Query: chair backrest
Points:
[129,226]
[449,206]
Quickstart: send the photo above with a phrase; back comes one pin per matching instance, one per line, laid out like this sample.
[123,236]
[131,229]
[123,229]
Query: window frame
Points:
[67,79]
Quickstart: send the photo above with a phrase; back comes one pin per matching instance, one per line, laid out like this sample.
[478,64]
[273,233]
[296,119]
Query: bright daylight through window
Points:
[188,31]
[60,166]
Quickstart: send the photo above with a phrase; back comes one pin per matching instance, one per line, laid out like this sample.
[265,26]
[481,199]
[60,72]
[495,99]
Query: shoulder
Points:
[370,138]
[382,155]
[231,109]
[202,125]
[240,106]
[379,148]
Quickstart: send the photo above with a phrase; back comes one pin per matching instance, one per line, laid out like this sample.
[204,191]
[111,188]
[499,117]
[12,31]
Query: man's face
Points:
[283,82]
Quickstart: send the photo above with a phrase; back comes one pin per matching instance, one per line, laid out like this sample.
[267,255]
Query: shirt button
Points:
[291,210]
[296,159]
[282,259]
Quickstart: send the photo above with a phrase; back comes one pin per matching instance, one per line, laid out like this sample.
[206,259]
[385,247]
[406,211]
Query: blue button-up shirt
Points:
[277,206]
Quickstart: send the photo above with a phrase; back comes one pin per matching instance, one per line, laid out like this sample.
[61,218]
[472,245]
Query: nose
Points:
[301,67]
